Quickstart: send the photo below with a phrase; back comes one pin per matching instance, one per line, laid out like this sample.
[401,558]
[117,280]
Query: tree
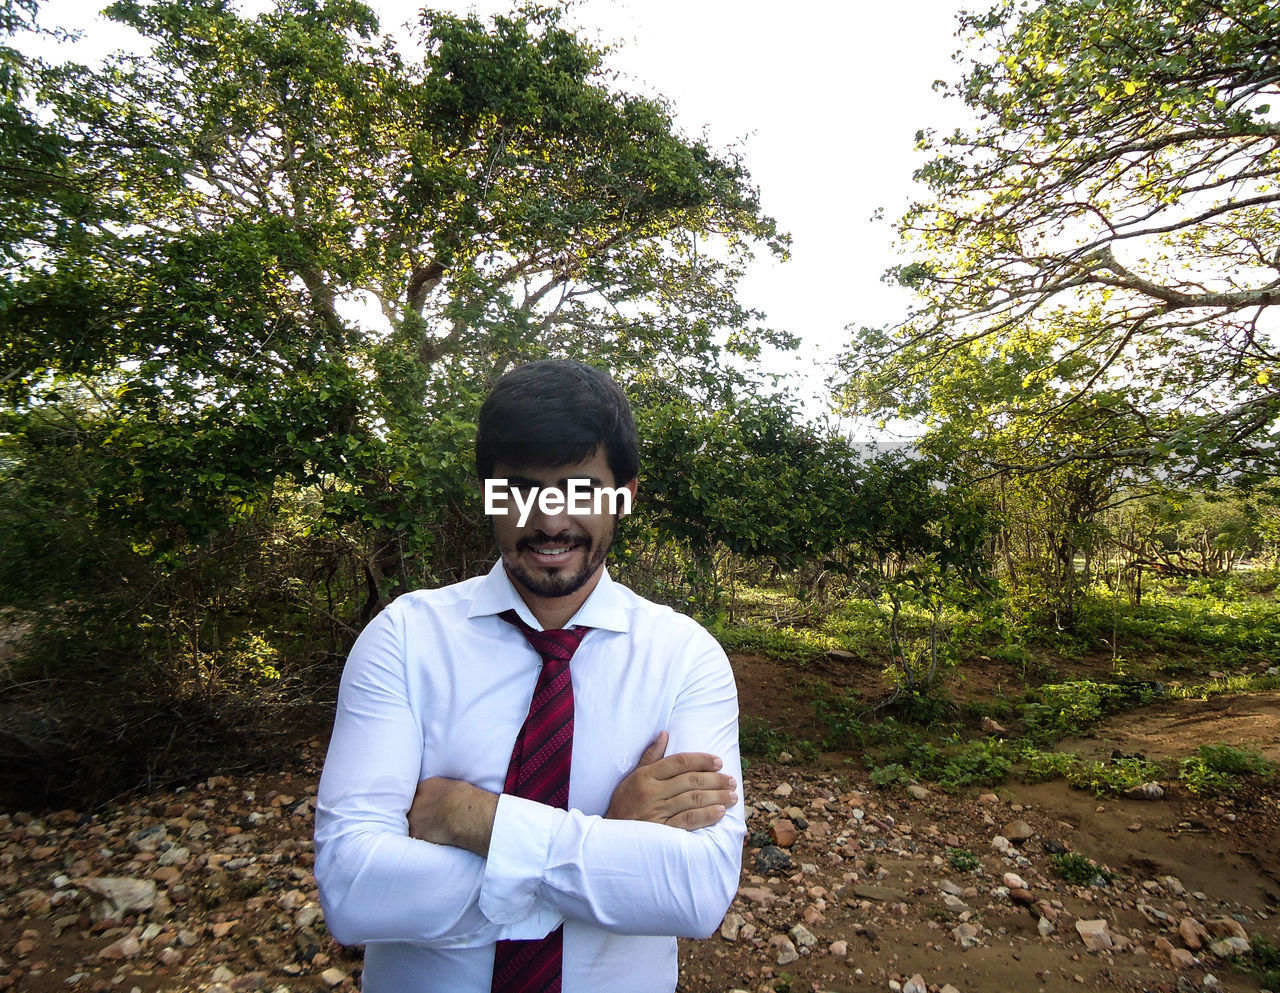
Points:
[1098,257]
[300,255]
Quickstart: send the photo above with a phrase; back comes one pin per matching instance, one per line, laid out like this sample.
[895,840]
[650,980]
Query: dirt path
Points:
[875,887]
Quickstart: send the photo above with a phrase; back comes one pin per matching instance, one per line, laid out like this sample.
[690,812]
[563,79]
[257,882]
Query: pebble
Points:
[333,977]
[730,926]
[786,951]
[1096,934]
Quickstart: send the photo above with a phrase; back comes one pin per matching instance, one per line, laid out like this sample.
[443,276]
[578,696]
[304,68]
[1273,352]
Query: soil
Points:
[239,906]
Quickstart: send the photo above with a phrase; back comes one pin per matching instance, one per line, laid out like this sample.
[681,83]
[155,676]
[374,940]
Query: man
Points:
[438,844]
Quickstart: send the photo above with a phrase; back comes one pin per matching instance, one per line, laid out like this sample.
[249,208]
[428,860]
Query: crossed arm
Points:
[685,790]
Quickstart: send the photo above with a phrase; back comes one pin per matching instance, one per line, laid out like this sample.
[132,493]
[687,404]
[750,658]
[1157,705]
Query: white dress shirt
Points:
[439,685]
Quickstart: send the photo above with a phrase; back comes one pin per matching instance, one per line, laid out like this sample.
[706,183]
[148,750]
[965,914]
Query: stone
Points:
[125,948]
[783,833]
[1013,881]
[966,936]
[1181,958]
[1018,831]
[169,957]
[954,903]
[802,936]
[783,790]
[757,894]
[991,726]
[1096,934]
[1194,934]
[333,977]
[915,984]
[1045,927]
[730,926]
[839,948]
[175,856]
[1145,791]
[772,859]
[1226,948]
[120,895]
[786,951]
[917,792]
[1022,897]
[1001,844]
[1226,927]
[870,891]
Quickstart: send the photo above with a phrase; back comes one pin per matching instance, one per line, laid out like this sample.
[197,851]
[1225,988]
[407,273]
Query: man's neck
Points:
[553,612]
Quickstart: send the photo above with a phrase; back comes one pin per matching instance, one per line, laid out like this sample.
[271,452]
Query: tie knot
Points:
[557,645]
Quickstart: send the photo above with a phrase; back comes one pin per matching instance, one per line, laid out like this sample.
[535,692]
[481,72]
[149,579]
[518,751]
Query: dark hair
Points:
[557,412]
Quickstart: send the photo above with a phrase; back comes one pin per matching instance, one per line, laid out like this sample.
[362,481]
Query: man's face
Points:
[554,554]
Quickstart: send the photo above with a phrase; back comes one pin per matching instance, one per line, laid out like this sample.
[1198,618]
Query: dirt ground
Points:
[870,878]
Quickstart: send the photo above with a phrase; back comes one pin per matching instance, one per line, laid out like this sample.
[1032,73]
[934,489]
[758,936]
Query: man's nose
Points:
[550,515]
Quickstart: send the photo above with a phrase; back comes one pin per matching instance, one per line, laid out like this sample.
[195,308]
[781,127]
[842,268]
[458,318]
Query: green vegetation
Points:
[962,860]
[1076,868]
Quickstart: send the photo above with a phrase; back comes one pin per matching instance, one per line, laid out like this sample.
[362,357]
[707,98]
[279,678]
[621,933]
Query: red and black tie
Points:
[539,770]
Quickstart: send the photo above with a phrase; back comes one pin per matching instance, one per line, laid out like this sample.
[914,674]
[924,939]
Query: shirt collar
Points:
[604,608]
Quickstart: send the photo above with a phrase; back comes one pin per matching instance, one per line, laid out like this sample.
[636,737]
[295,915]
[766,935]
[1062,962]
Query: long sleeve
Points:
[629,877]
[377,883]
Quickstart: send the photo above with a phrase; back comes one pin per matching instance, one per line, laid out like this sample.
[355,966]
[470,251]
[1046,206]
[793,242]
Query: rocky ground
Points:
[845,887]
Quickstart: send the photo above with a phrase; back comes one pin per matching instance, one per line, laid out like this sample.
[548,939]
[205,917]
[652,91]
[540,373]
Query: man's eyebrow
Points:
[515,479]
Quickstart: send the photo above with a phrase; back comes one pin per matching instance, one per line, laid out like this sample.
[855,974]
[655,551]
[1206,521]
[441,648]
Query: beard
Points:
[559,582]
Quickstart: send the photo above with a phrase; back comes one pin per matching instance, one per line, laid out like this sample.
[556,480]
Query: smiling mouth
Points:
[551,553]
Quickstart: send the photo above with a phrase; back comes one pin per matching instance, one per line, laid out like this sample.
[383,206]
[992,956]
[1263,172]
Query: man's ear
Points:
[631,488]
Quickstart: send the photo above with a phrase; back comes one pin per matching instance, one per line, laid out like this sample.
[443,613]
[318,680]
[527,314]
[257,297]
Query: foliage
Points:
[1076,868]
[1265,960]
[1096,257]
[1071,708]
[1214,768]
[305,253]
[962,860]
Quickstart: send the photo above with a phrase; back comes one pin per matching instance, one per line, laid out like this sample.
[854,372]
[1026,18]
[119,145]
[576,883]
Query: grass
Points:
[1186,640]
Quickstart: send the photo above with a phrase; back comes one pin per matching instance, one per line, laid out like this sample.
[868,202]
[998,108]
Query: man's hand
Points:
[453,812]
[685,790]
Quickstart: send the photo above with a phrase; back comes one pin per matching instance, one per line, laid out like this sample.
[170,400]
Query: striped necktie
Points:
[539,770]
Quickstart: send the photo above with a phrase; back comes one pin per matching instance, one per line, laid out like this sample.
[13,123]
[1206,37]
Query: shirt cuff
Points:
[518,848]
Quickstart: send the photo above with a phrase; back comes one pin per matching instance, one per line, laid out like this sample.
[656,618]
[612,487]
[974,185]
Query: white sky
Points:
[824,97]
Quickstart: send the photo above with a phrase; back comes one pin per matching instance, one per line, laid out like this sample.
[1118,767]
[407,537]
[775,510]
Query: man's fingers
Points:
[682,763]
[655,751]
[697,817]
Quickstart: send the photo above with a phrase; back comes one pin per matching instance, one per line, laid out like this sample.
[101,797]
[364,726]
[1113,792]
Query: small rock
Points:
[1226,927]
[1022,897]
[991,726]
[730,927]
[772,859]
[1226,948]
[915,984]
[783,789]
[917,792]
[1013,881]
[1181,958]
[1001,844]
[125,948]
[1096,934]
[1018,831]
[785,758]
[786,950]
[839,949]
[1046,927]
[966,936]
[121,896]
[1146,791]
[1193,933]
[869,891]
[802,936]
[783,833]
[333,977]
[757,894]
